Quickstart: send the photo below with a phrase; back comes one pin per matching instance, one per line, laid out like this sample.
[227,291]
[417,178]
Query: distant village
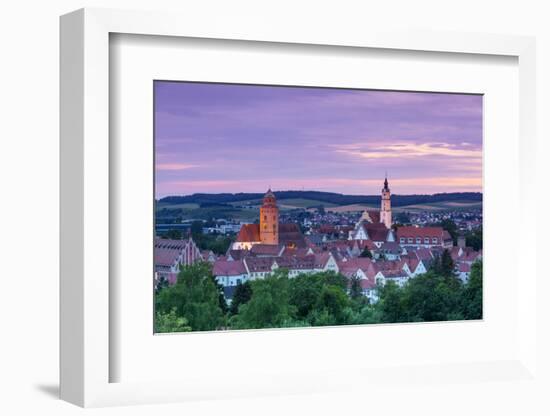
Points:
[370,246]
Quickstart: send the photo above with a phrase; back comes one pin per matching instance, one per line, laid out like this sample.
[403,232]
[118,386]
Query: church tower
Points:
[269,220]
[385,208]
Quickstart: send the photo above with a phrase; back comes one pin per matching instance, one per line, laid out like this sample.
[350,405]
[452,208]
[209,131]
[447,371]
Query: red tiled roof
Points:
[167,243]
[377,231]
[290,234]
[259,264]
[423,253]
[249,232]
[296,263]
[464,267]
[228,268]
[237,254]
[374,215]
[413,232]
[321,259]
[355,263]
[390,247]
[412,260]
[166,257]
[367,283]
[265,249]
[298,251]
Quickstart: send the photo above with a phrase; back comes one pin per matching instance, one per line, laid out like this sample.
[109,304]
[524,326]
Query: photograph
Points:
[282,206]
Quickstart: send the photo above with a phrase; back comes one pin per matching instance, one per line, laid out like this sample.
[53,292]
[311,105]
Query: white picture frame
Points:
[86,355]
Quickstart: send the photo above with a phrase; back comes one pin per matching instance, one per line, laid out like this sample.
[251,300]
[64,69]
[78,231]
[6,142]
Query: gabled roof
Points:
[351,265]
[248,232]
[228,268]
[321,259]
[374,215]
[377,231]
[296,262]
[166,257]
[236,254]
[408,231]
[290,234]
[258,264]
[166,243]
[423,253]
[390,247]
[412,260]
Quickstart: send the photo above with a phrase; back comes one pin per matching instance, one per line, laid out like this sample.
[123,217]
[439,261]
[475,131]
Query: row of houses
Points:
[389,261]
[230,272]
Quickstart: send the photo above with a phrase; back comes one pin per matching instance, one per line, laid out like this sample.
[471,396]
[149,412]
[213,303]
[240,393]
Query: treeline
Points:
[327,197]
[196,302]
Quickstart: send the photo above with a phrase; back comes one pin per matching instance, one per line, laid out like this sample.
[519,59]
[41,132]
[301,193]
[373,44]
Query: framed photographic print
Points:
[280,212]
[287,219]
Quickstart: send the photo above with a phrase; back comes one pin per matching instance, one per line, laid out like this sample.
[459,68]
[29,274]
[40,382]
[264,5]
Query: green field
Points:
[440,206]
[188,211]
[186,206]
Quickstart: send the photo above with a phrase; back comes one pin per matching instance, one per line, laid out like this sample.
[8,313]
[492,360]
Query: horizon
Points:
[235,138]
[310,190]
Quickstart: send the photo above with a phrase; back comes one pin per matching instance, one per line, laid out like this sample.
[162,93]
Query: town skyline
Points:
[228,138]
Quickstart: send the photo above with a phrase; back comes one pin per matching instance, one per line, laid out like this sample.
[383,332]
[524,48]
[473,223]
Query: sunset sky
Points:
[212,138]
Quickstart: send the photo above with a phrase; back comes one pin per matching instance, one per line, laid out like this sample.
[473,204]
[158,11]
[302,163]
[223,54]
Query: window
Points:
[418,240]
[401,240]
[426,240]
[434,240]
[410,240]
[265,217]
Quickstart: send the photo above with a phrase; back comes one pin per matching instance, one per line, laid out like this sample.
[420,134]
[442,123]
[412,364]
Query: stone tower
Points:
[269,220]
[385,208]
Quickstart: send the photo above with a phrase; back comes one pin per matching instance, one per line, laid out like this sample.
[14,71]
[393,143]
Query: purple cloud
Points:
[242,138]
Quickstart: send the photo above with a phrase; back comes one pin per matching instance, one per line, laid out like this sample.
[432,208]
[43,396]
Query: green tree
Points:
[355,290]
[196,228]
[333,305]
[474,239]
[161,284]
[242,294]
[473,293]
[269,305]
[173,234]
[195,296]
[451,227]
[170,322]
[447,264]
[390,303]
[305,290]
[431,297]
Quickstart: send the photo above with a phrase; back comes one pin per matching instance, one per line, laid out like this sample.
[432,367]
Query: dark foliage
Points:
[328,197]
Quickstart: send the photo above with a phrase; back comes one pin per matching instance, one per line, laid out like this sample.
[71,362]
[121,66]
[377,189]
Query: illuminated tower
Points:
[269,220]
[385,208]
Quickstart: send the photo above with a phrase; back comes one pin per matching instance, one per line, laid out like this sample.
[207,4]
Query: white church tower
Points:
[385,208]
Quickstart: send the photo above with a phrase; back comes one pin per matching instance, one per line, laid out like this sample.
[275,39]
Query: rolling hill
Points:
[244,206]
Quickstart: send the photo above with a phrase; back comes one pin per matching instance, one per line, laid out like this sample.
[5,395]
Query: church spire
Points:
[385,208]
